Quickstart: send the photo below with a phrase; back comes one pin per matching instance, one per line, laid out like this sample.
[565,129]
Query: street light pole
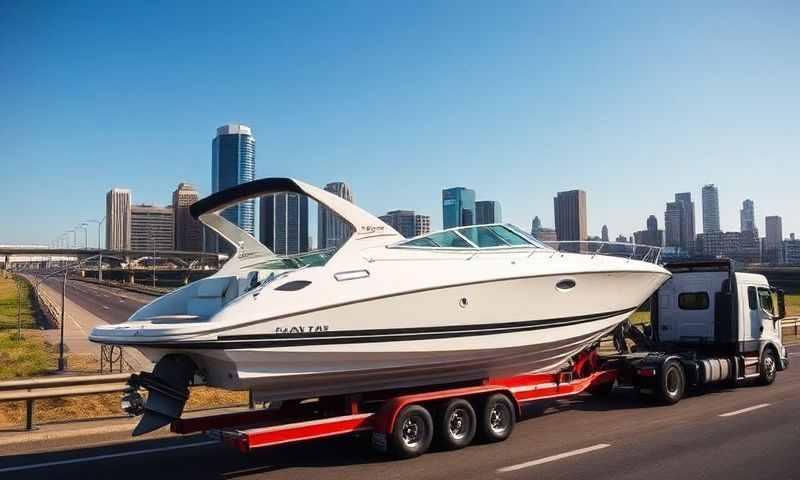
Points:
[153,237]
[99,251]
[61,343]
[19,307]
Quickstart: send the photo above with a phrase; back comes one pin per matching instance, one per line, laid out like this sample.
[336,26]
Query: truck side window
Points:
[765,299]
[693,301]
[752,298]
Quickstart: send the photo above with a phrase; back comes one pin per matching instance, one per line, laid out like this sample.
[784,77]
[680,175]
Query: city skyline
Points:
[514,131]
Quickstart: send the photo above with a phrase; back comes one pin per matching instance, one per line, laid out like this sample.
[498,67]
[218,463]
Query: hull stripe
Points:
[377,335]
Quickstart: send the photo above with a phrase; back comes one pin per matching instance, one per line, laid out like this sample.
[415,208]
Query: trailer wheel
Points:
[497,418]
[457,424]
[672,383]
[413,432]
[768,367]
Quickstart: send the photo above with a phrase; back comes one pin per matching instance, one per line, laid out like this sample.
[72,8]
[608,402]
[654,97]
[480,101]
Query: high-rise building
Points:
[404,221]
[747,217]
[488,211]
[333,230]
[458,207]
[773,244]
[604,233]
[652,235]
[791,250]
[152,227]
[570,215]
[118,219]
[679,222]
[188,230]
[233,161]
[422,225]
[536,226]
[710,208]
[284,223]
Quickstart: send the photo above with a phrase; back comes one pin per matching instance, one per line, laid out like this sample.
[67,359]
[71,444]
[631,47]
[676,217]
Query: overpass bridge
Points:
[43,257]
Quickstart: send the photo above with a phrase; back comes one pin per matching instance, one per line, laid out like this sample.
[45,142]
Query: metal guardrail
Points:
[51,387]
[790,326]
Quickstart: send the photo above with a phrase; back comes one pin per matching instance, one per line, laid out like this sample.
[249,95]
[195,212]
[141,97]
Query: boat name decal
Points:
[371,228]
[301,329]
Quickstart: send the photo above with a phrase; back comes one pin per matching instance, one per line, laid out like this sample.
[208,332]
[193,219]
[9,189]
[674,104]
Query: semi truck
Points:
[708,325]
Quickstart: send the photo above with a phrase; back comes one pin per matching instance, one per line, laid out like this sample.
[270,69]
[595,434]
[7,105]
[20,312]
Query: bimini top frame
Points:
[208,210]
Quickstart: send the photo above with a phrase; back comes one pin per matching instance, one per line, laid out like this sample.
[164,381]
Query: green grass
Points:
[27,357]
[8,304]
[792,304]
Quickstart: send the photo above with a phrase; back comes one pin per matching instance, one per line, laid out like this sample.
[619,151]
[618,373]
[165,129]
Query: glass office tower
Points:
[458,207]
[233,161]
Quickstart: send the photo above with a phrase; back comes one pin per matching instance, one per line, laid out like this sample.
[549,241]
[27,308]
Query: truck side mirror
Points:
[781,304]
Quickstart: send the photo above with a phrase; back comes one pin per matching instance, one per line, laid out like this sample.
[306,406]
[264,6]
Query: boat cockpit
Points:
[492,236]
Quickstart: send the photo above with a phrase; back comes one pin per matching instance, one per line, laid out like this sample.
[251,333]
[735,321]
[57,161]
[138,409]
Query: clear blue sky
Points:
[631,102]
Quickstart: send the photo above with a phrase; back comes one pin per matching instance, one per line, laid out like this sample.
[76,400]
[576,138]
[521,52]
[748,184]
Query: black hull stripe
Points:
[338,338]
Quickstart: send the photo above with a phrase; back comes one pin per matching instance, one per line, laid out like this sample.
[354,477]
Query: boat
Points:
[378,312]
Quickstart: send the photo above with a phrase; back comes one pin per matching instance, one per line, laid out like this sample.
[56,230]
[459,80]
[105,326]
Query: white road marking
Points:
[551,458]
[745,410]
[105,307]
[101,457]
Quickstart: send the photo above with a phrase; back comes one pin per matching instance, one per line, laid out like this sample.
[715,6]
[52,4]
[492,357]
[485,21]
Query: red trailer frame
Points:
[377,411]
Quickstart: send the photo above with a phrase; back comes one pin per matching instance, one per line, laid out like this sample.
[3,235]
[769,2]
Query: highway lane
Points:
[748,432]
[112,305]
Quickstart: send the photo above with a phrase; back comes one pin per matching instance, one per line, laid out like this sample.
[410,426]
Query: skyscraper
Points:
[152,227]
[652,235]
[458,207]
[679,222]
[710,209]
[188,231]
[604,233]
[570,215]
[333,230]
[422,225]
[747,216]
[536,226]
[488,211]
[118,219]
[284,223]
[404,221]
[773,244]
[233,161]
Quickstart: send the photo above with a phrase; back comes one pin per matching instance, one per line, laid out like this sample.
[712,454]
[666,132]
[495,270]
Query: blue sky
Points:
[630,101]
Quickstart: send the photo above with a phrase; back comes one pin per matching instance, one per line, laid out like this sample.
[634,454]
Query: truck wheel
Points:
[768,367]
[672,383]
[413,432]
[457,424]
[497,418]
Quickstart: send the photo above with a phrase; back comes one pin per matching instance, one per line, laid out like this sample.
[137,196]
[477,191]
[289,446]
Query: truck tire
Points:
[767,366]
[498,417]
[457,424]
[413,432]
[671,383]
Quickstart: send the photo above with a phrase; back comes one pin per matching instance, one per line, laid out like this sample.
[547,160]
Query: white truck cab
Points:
[711,324]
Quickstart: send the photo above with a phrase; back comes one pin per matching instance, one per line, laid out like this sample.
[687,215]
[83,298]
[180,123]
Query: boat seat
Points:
[211,294]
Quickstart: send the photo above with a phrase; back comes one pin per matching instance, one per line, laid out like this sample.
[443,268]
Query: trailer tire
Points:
[413,432]
[767,366]
[672,383]
[457,424]
[498,417]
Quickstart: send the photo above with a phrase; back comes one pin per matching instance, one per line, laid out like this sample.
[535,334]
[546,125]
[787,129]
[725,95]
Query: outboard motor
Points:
[168,390]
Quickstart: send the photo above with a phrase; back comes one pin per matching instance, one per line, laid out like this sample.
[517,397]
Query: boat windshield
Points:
[316,258]
[479,236]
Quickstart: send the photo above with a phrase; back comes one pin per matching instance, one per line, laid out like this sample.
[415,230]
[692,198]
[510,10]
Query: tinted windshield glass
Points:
[448,240]
[482,237]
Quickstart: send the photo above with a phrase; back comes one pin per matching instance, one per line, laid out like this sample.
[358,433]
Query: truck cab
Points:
[710,324]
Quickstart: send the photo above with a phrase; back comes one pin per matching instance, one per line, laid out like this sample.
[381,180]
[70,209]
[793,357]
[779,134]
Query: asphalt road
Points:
[749,432]
[112,305]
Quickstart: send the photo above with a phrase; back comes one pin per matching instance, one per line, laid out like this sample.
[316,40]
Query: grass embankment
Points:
[29,355]
[792,304]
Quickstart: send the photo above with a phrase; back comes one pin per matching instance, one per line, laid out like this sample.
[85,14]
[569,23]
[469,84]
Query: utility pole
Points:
[61,344]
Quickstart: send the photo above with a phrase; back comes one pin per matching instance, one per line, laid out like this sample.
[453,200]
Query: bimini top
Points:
[478,236]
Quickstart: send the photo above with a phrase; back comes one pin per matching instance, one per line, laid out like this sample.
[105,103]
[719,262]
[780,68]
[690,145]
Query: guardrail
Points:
[790,326]
[51,387]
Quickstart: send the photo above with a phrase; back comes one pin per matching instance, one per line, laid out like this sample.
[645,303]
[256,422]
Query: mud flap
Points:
[168,390]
